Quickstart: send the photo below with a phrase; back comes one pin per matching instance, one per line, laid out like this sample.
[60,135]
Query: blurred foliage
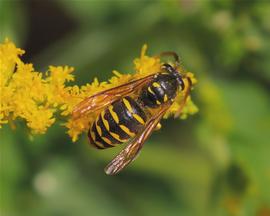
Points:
[215,163]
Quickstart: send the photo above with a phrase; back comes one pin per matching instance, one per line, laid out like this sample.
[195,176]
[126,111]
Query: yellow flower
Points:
[36,97]
[27,94]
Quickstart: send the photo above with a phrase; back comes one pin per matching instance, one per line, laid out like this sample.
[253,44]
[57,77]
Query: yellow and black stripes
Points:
[117,123]
[159,91]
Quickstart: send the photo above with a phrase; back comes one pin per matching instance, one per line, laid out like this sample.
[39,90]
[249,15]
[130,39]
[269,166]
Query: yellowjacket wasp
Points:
[130,112]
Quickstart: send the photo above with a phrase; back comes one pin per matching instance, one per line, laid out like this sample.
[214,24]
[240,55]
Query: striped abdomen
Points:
[117,123]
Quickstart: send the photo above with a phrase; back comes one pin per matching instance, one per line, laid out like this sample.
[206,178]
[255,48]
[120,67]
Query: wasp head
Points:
[177,75]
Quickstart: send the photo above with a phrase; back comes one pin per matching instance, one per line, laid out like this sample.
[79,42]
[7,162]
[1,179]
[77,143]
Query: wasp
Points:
[129,113]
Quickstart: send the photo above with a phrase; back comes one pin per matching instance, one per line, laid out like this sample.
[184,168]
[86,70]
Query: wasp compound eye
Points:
[168,68]
[181,83]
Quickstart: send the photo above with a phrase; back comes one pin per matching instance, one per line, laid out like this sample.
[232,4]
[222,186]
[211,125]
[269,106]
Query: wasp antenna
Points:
[174,55]
[189,80]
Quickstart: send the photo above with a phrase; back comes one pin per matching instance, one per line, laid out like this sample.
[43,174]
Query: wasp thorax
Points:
[161,90]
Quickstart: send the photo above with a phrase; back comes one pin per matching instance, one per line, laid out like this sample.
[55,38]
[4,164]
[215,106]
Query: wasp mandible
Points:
[129,113]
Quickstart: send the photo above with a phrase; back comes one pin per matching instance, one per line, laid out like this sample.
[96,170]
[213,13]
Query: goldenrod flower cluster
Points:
[37,98]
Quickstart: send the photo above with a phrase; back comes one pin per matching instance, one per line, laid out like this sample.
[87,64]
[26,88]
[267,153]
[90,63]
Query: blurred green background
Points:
[214,163]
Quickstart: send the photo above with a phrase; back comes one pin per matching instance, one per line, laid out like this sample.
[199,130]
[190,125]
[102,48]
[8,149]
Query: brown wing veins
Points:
[106,97]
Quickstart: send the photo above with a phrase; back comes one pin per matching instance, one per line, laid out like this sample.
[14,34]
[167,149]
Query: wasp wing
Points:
[129,153]
[104,98]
